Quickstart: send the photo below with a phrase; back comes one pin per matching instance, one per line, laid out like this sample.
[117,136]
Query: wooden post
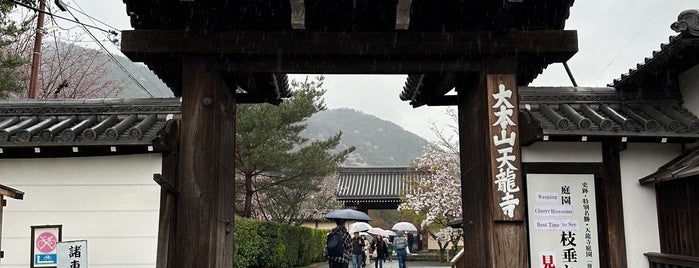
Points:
[611,207]
[494,236]
[204,206]
[11,193]
[168,195]
[2,204]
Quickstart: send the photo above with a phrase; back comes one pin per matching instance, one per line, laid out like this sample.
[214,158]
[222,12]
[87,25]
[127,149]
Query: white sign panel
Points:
[72,254]
[44,241]
[562,221]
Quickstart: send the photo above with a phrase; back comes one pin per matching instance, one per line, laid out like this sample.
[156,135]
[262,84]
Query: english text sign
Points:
[564,233]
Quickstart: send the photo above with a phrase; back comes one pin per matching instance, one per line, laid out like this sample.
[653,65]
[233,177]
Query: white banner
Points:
[562,221]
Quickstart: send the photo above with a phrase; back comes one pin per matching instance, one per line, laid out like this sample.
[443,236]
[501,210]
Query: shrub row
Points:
[271,244]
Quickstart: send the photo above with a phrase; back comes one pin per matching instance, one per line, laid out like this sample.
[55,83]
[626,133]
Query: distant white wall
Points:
[563,152]
[111,201]
[640,210]
[689,86]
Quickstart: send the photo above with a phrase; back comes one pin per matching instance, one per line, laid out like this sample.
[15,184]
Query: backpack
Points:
[400,243]
[334,245]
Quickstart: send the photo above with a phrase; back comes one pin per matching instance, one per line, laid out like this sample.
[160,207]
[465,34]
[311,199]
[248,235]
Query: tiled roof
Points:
[683,166]
[567,113]
[678,55]
[79,124]
[373,184]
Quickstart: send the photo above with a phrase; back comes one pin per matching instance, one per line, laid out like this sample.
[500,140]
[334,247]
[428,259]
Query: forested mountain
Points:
[378,142]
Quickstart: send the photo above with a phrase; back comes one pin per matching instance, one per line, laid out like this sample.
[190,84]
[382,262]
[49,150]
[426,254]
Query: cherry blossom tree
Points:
[438,195]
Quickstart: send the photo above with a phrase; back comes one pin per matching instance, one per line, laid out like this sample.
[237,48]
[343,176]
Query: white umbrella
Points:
[367,235]
[359,227]
[389,233]
[375,231]
[404,226]
[347,214]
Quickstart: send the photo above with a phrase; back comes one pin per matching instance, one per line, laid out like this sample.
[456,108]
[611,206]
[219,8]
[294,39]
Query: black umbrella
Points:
[347,214]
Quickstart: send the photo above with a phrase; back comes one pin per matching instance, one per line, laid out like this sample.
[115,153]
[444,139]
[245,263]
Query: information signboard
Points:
[44,240]
[72,254]
[562,221]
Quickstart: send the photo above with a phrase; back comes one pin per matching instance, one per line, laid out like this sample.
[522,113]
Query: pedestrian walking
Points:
[367,252]
[338,246]
[400,244]
[357,251]
[380,250]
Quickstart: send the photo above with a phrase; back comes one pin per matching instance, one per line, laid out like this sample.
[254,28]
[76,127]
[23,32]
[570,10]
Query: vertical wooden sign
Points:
[506,176]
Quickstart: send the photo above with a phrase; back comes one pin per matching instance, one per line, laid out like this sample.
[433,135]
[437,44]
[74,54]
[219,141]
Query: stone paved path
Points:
[394,264]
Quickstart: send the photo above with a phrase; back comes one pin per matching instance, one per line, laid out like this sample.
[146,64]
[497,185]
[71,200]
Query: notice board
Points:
[562,221]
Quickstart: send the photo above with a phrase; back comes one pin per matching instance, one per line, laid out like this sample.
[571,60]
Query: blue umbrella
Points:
[347,214]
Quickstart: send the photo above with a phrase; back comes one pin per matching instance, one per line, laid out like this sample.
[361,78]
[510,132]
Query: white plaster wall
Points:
[563,152]
[689,86]
[640,210]
[111,201]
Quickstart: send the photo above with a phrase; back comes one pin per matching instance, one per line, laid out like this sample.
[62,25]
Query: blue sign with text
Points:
[44,259]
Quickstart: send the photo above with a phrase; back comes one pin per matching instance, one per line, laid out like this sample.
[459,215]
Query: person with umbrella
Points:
[338,246]
[381,250]
[338,236]
[400,243]
[357,250]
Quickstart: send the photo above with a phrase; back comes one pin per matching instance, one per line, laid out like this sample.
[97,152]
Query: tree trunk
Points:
[247,212]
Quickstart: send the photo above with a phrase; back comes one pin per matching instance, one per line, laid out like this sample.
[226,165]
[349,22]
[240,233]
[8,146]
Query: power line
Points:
[111,56]
[630,41]
[93,19]
[57,16]
[81,11]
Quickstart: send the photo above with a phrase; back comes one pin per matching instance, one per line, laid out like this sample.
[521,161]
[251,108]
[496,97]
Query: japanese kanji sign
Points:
[562,221]
[72,254]
[44,241]
[505,159]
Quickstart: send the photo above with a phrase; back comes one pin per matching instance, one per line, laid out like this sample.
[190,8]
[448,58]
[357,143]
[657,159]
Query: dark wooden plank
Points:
[677,215]
[11,192]
[168,201]
[204,210]
[672,260]
[611,205]
[490,243]
[445,45]
[475,171]
[505,157]
[510,245]
[2,205]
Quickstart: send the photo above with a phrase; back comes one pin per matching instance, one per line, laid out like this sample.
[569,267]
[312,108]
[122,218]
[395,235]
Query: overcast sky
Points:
[613,36]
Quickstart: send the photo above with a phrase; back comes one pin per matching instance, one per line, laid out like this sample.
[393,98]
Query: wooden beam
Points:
[562,43]
[11,192]
[494,240]
[204,206]
[475,169]
[2,205]
[611,206]
[403,14]
[298,14]
[168,196]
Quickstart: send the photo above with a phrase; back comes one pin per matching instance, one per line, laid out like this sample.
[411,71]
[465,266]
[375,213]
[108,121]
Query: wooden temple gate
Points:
[215,54]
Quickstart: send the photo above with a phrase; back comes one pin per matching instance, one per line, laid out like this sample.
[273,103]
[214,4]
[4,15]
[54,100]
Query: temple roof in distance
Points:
[375,184]
[48,128]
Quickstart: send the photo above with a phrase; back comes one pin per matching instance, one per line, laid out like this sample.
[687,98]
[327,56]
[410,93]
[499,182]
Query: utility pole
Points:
[36,57]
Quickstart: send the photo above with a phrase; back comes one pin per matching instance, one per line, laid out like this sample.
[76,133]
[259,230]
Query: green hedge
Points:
[271,244]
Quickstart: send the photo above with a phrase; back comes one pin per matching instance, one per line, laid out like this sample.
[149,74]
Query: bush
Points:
[270,244]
